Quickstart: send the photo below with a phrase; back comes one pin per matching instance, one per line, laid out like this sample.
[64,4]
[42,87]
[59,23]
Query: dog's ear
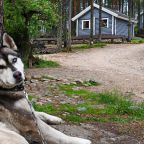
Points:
[9,42]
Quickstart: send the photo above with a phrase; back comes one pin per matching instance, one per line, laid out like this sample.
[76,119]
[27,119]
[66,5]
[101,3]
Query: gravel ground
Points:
[119,66]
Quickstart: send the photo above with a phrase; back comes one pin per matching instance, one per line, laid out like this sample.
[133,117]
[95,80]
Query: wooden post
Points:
[1,22]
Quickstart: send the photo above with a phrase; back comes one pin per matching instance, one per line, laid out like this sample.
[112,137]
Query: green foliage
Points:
[137,40]
[45,64]
[35,11]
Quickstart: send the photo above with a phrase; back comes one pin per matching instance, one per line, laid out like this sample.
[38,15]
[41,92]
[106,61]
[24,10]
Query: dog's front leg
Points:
[49,119]
[55,137]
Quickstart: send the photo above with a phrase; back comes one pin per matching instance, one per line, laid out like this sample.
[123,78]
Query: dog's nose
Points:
[17,75]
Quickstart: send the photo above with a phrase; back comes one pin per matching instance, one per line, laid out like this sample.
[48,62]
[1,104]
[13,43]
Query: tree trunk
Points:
[143,14]
[91,23]
[65,23]
[59,29]
[119,5]
[129,23]
[1,22]
[78,6]
[74,7]
[139,16]
[84,3]
[122,10]
[69,26]
[100,18]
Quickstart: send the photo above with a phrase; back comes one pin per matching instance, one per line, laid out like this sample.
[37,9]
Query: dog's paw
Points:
[85,141]
[76,140]
[49,118]
[55,120]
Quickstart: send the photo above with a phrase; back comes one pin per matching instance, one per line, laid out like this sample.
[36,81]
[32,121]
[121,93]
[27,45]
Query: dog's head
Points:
[11,66]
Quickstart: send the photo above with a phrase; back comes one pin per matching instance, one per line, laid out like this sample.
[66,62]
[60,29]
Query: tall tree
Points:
[60,25]
[1,21]
[69,25]
[84,4]
[23,20]
[100,19]
[65,23]
[129,23]
[143,13]
[91,22]
[74,7]
[139,17]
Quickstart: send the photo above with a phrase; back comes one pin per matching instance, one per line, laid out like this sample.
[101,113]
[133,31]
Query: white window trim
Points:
[112,25]
[107,22]
[83,25]
[77,27]
[94,26]
[115,26]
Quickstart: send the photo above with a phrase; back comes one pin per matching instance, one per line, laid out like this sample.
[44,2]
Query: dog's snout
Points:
[17,75]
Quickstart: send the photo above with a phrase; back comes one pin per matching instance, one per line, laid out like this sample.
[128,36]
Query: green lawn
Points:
[105,106]
[45,64]
[87,46]
[137,40]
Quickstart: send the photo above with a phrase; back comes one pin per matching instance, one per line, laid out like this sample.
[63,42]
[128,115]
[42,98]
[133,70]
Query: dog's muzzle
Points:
[18,76]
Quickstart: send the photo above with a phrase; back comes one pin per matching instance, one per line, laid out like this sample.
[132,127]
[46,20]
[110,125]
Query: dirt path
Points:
[115,66]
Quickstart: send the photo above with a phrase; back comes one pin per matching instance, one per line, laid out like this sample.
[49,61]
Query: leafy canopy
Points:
[21,15]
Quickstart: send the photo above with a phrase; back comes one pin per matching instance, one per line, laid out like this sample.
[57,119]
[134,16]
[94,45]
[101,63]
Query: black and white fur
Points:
[12,75]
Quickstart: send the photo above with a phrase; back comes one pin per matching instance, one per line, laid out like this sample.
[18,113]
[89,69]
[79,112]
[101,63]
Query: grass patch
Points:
[87,46]
[47,108]
[137,40]
[92,106]
[39,63]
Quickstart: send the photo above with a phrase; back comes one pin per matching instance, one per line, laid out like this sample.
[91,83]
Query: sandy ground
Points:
[117,66]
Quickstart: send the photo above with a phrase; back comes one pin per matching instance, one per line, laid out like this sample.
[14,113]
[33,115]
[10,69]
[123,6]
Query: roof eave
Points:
[81,13]
[89,7]
[120,17]
[103,9]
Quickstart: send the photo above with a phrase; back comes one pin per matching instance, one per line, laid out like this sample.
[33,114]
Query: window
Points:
[105,23]
[85,24]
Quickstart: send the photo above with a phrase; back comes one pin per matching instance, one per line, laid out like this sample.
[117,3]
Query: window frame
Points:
[83,24]
[107,22]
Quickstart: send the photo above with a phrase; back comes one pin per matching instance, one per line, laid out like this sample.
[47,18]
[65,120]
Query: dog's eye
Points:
[14,60]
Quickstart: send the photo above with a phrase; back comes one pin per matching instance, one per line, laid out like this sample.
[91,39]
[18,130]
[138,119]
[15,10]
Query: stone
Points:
[33,81]
[81,108]
[28,77]
[65,80]
[73,83]
[76,88]
[80,82]
[36,77]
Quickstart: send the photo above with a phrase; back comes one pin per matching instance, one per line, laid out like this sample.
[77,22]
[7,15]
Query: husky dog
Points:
[19,123]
